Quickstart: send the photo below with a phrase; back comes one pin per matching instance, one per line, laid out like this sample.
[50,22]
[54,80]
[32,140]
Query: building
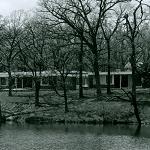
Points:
[24,80]
[118,79]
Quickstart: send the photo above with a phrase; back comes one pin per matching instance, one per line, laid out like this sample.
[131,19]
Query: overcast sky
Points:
[7,6]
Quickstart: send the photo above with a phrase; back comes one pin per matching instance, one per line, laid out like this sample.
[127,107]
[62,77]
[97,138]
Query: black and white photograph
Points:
[74,74]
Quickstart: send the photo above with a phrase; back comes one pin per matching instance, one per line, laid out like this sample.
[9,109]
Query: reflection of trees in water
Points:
[66,129]
[102,129]
[137,131]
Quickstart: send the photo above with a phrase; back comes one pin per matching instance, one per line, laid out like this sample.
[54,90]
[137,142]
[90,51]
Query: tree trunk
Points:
[0,114]
[9,82]
[97,76]
[137,131]
[108,68]
[133,64]
[65,95]
[81,69]
[37,91]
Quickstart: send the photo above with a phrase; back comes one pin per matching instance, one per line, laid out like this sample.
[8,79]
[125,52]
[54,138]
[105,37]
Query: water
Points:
[73,137]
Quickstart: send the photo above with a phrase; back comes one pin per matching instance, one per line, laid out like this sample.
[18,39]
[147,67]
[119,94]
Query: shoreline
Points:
[107,110]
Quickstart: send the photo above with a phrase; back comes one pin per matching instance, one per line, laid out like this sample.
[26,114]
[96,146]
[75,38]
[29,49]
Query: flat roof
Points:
[71,74]
[113,73]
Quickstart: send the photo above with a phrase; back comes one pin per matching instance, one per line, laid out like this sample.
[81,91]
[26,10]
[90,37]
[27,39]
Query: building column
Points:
[16,83]
[7,81]
[22,83]
[120,80]
[112,79]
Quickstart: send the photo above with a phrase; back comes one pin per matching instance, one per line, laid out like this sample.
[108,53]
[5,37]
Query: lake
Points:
[73,137]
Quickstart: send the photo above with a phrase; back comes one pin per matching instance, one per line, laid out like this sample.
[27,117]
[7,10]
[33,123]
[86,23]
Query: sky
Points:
[7,6]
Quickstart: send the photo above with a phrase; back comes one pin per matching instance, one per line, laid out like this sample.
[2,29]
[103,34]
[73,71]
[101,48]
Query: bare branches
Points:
[133,26]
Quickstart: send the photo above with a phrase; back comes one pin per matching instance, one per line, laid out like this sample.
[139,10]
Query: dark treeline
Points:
[64,36]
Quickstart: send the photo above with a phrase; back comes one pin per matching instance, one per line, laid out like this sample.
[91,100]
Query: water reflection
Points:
[74,137]
[138,131]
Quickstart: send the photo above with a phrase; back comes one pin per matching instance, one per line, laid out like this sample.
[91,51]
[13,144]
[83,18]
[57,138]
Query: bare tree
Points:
[63,60]
[80,58]
[79,43]
[109,27]
[33,47]
[133,24]
[11,37]
[90,12]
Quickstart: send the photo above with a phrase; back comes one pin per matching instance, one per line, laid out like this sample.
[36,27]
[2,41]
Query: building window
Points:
[110,79]
[84,82]
[45,81]
[3,81]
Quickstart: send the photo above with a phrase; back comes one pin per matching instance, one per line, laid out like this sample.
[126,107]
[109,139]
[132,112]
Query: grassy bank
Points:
[107,109]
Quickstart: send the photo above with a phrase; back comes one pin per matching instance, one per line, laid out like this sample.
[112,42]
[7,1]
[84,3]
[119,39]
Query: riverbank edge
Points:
[113,115]
[42,120]
[35,119]
[84,111]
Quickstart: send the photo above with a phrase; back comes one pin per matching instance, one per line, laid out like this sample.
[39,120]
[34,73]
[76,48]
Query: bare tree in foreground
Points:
[109,28]
[33,52]
[9,45]
[133,23]
[91,13]
[63,61]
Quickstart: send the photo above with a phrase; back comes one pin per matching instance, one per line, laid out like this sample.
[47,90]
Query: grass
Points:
[106,109]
